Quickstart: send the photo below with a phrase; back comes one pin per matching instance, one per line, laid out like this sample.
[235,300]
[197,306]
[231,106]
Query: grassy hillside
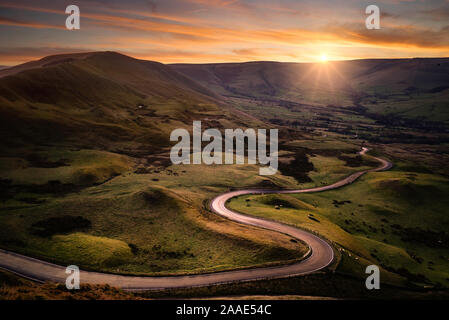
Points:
[394,219]
[150,222]
[338,83]
[397,105]
[85,174]
[139,216]
[100,100]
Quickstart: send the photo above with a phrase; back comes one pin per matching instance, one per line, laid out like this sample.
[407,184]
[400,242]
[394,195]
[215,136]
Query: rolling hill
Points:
[84,143]
[99,100]
[85,176]
[406,87]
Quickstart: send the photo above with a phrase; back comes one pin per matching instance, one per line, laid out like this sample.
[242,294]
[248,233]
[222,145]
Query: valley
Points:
[86,176]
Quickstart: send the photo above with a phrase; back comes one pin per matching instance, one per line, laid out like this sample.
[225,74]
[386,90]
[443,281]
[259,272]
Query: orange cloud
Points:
[171,34]
[29,24]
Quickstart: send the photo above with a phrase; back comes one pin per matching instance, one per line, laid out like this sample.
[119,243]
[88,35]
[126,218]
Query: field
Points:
[151,223]
[377,220]
[142,218]
[86,179]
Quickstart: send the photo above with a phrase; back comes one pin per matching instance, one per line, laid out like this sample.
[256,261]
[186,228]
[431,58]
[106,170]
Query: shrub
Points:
[54,225]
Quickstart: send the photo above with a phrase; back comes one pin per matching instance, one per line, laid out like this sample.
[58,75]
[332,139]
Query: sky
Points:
[210,31]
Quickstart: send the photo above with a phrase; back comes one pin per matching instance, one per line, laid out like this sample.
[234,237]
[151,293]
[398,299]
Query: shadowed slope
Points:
[101,99]
[411,87]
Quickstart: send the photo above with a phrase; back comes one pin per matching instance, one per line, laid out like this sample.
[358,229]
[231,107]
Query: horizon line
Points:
[210,63]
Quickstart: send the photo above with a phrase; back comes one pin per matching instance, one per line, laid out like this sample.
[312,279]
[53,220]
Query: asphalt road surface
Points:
[321,253]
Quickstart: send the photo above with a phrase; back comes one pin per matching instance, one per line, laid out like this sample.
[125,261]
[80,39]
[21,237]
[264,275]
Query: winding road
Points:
[321,253]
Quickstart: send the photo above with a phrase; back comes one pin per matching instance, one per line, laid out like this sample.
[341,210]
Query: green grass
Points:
[365,228]
[83,167]
[323,154]
[425,105]
[323,143]
[99,252]
[159,217]
[85,113]
[329,170]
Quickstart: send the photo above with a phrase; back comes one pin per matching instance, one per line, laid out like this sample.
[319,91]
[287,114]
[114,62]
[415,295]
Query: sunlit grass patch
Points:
[82,167]
[90,250]
[393,219]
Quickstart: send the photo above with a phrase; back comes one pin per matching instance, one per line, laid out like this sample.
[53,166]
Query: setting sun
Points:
[225,150]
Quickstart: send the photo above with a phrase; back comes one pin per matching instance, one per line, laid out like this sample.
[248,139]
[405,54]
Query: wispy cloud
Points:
[29,24]
[228,30]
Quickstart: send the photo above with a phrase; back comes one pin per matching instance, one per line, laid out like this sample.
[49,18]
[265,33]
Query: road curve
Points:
[320,257]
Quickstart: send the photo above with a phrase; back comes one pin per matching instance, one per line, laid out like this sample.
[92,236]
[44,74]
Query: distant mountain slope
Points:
[251,79]
[146,77]
[366,82]
[44,62]
[101,99]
